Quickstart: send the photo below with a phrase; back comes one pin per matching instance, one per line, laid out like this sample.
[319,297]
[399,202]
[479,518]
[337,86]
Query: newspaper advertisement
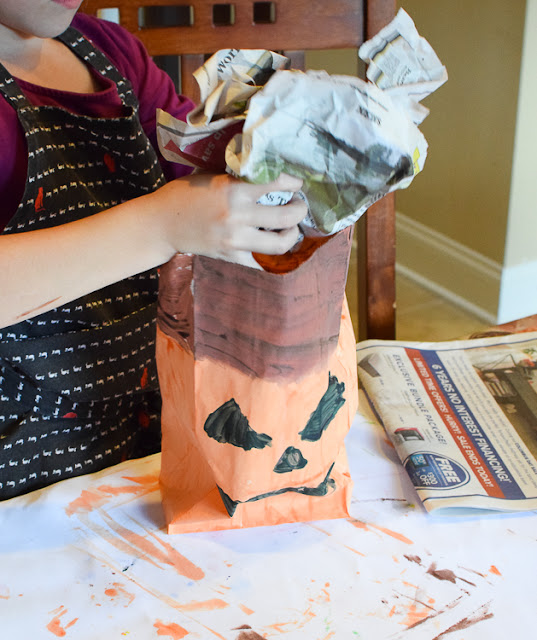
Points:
[462,417]
[351,141]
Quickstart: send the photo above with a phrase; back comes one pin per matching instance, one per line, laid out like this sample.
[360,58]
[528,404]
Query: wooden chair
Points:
[201,27]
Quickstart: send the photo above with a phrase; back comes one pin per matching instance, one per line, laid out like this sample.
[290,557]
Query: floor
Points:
[424,315]
[421,314]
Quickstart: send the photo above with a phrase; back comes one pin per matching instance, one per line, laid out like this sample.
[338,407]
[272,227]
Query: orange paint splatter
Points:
[172,630]
[495,570]
[409,584]
[55,627]
[392,611]
[366,527]
[205,605]
[4,592]
[294,624]
[118,591]
[246,610]
[358,524]
[415,615]
[393,534]
[166,555]
[86,502]
[38,204]
[95,498]
[143,379]
[280,626]
[359,553]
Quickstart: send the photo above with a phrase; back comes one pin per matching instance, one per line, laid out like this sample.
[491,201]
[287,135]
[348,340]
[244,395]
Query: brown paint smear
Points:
[478,616]
[441,574]
[249,635]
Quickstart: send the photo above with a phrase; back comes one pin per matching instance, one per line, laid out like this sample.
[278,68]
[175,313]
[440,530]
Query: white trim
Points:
[518,293]
[449,268]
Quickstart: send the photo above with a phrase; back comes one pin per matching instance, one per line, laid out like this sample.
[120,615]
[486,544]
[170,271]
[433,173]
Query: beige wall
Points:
[343,61]
[464,189]
[463,192]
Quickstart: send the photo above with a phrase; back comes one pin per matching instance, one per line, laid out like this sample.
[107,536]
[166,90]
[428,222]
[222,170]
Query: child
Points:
[89,210]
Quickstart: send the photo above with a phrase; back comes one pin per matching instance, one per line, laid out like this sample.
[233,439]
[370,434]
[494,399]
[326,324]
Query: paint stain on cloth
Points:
[366,527]
[170,630]
[55,625]
[92,499]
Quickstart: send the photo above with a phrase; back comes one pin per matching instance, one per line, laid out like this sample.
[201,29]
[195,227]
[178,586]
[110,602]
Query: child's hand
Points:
[218,216]
[215,216]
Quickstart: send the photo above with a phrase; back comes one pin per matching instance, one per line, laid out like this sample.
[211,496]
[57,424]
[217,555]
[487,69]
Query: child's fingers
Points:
[261,216]
[283,183]
[267,242]
[281,217]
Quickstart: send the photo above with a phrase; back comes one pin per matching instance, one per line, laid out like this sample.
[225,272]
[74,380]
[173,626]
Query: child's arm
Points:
[210,215]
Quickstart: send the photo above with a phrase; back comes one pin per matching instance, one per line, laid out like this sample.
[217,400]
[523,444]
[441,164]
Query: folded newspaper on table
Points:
[352,141]
[462,416]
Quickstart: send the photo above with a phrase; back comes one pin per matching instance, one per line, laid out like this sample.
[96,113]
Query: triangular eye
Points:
[229,425]
[290,460]
[326,410]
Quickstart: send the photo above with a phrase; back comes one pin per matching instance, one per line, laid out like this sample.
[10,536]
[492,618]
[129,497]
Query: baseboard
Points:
[457,273]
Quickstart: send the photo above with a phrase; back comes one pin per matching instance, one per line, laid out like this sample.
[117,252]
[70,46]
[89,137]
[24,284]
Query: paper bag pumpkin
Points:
[257,370]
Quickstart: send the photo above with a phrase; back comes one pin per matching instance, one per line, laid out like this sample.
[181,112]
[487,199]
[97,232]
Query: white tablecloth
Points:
[89,558]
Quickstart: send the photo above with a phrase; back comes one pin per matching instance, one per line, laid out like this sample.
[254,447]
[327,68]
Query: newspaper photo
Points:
[462,417]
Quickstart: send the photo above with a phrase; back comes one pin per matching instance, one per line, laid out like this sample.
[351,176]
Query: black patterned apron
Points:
[78,384]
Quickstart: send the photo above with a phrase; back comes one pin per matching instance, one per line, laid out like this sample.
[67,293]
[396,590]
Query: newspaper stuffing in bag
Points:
[351,141]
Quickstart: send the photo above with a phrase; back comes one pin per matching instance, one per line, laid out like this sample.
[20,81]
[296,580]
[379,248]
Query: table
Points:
[90,558]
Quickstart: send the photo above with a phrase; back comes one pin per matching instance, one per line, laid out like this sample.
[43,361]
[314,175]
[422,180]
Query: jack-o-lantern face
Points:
[258,380]
[228,425]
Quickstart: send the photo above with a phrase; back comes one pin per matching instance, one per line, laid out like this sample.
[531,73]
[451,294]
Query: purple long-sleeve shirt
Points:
[153,87]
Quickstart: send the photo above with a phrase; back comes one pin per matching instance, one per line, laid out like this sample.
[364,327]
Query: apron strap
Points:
[11,91]
[85,50]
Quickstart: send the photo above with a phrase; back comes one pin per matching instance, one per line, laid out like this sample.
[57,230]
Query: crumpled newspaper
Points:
[226,81]
[351,141]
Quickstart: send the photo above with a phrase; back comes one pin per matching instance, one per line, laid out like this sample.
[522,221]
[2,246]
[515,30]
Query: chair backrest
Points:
[193,29]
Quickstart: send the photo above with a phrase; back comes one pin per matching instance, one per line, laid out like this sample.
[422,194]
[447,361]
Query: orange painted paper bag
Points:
[257,370]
